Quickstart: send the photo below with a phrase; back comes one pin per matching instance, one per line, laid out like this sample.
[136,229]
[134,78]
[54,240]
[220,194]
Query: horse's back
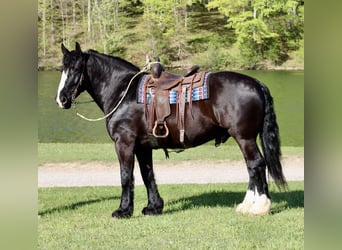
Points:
[234,80]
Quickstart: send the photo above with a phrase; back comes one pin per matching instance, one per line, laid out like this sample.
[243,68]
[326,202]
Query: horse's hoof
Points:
[152,210]
[244,207]
[119,214]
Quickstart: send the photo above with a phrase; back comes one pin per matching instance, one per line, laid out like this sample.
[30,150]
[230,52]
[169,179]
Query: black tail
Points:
[270,141]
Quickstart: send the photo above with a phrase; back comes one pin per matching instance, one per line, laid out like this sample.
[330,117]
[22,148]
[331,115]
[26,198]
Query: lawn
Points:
[195,217]
[86,152]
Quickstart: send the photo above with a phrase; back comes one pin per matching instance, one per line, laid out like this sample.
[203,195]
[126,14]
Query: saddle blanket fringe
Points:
[200,93]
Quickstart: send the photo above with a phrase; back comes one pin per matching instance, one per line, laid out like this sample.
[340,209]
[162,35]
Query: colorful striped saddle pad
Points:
[196,93]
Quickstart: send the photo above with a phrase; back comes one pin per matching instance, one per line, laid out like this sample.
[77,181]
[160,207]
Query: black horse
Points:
[239,106]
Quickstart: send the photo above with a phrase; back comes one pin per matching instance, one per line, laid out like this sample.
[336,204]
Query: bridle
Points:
[146,68]
[79,83]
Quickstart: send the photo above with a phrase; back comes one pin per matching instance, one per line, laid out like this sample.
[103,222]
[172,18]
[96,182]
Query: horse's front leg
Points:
[126,159]
[155,202]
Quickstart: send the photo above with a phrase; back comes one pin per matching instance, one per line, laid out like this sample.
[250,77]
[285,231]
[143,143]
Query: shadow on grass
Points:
[74,206]
[280,201]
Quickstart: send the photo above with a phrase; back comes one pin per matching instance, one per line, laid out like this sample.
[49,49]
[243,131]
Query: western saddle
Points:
[158,85]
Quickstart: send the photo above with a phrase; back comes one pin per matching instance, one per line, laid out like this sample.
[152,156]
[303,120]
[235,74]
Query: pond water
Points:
[58,125]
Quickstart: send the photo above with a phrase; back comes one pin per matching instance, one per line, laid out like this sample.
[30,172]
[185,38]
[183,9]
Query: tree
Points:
[261,28]
[167,27]
[176,30]
[42,15]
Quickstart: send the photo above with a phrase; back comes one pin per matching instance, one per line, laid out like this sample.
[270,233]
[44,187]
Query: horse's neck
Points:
[107,88]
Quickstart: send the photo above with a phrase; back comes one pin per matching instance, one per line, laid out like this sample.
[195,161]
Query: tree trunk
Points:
[254,16]
[62,18]
[44,28]
[52,27]
[74,14]
[89,16]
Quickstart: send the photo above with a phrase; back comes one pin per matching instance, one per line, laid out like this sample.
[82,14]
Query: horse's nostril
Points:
[63,99]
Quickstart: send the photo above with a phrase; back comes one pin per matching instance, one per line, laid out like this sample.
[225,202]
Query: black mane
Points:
[117,60]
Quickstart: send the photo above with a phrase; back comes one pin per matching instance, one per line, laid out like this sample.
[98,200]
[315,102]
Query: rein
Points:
[144,69]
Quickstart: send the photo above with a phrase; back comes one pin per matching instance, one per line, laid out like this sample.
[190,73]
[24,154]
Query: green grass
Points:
[86,152]
[195,217]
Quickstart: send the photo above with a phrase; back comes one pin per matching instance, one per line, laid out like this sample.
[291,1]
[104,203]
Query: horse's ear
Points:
[64,50]
[78,47]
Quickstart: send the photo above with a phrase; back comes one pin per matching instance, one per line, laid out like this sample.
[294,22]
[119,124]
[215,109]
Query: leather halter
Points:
[79,83]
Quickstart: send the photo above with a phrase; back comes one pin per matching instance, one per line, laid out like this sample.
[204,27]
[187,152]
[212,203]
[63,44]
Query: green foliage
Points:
[264,29]
[260,30]
[166,24]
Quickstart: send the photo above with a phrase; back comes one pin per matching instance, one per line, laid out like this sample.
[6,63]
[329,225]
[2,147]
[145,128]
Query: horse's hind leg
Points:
[257,200]
[155,202]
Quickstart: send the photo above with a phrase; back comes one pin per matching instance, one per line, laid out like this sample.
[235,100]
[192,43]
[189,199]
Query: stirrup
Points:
[160,136]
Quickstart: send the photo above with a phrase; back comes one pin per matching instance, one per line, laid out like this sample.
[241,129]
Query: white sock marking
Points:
[247,202]
[262,204]
[249,197]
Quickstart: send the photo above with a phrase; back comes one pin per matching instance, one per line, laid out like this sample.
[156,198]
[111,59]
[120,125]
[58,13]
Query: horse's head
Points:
[70,85]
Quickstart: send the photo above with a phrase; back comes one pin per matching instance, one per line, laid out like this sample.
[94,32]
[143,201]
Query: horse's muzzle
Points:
[63,102]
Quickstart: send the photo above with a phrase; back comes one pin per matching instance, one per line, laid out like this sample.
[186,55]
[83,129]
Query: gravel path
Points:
[108,174]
